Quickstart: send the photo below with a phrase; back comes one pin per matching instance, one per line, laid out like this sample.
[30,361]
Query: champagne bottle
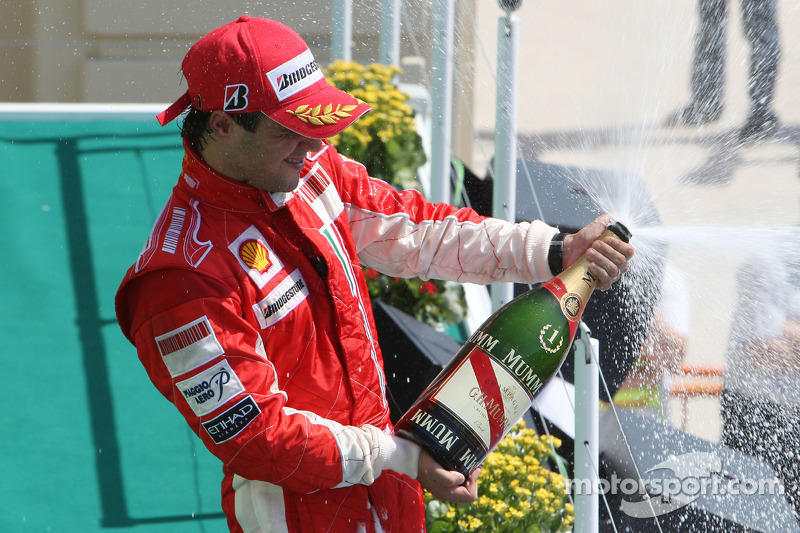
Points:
[493,379]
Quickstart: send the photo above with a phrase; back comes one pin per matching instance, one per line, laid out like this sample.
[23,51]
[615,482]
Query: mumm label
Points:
[437,429]
[512,361]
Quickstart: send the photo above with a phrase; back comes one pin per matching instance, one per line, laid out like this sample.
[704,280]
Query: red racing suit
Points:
[250,313]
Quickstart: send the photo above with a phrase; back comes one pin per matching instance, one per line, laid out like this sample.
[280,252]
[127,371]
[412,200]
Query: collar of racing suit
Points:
[212,188]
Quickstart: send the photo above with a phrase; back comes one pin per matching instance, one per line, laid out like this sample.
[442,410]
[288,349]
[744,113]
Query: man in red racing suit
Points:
[250,313]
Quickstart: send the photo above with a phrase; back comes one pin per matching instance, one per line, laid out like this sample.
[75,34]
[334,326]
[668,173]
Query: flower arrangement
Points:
[517,492]
[433,302]
[386,142]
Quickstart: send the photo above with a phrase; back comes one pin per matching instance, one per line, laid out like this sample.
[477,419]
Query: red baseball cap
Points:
[256,64]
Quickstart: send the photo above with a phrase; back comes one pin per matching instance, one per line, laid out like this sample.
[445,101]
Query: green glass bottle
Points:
[492,380]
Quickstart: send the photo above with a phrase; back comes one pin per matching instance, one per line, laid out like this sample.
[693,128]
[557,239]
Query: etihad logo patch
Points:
[211,388]
[233,421]
[295,75]
[282,300]
[255,256]
[189,346]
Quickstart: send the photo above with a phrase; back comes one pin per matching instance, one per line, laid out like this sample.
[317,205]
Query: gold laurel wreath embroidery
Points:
[319,117]
[545,343]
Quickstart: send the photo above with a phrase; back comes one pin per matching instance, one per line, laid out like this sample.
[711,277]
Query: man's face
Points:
[269,158]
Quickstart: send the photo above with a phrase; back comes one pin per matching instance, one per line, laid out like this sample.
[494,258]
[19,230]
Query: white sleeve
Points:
[367,451]
[481,252]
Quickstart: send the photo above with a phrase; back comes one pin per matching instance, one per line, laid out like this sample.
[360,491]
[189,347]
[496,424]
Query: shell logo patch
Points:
[255,255]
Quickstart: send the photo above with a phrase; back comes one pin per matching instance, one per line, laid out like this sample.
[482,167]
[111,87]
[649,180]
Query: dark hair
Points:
[195,125]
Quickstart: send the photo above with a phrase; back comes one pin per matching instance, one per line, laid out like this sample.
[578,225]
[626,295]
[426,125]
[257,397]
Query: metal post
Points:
[505,137]
[390,32]
[342,29]
[587,432]
[442,99]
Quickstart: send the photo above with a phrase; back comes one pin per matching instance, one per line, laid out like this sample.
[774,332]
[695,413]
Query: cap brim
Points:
[321,114]
[175,110]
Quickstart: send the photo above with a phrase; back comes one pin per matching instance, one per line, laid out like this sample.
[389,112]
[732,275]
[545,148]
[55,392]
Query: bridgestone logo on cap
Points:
[236,97]
[295,75]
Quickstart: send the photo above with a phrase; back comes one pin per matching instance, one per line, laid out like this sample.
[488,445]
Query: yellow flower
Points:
[517,490]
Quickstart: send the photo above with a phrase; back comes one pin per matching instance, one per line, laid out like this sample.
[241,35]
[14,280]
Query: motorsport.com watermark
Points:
[694,475]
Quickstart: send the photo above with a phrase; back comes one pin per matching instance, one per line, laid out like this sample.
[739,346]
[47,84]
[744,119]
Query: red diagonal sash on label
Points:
[492,398]
[557,288]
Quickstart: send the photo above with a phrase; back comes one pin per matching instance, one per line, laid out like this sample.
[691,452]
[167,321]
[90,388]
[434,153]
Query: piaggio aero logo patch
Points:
[210,389]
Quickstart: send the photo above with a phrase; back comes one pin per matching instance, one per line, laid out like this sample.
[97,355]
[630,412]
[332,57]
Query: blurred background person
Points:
[761,399]
[759,21]
[647,384]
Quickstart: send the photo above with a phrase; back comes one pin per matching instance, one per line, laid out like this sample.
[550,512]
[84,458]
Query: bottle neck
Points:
[578,278]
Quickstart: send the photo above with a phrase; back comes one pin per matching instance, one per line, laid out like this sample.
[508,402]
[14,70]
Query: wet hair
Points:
[195,129]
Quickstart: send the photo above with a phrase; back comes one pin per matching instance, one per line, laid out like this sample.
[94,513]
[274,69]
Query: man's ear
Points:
[221,124]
